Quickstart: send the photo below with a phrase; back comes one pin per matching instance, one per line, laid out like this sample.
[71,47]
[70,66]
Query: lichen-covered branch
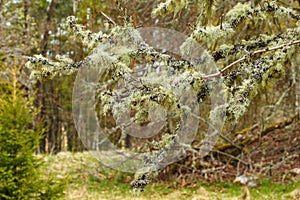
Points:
[258,42]
[43,68]
[89,39]
[168,7]
[249,55]
[238,15]
[260,71]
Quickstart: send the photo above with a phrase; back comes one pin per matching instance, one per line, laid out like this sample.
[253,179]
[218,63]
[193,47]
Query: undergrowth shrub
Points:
[20,177]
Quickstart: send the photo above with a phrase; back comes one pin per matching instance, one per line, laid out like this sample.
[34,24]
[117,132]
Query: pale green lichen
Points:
[236,16]
[88,38]
[206,10]
[237,11]
[262,70]
[258,42]
[169,6]
[105,97]
[280,11]
[43,68]
[165,141]
[212,33]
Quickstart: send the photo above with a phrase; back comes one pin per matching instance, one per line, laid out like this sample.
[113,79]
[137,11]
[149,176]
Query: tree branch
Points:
[247,56]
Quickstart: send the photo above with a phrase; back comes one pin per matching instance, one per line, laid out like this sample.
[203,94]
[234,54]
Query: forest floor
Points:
[275,156]
[86,179]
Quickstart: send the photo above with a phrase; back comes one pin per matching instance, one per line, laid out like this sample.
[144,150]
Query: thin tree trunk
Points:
[40,85]
[26,10]
[48,24]
[40,104]
[75,4]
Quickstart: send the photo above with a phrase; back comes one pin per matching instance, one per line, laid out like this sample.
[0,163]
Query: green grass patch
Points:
[88,179]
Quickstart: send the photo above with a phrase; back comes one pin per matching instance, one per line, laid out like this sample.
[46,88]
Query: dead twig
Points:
[231,156]
[108,18]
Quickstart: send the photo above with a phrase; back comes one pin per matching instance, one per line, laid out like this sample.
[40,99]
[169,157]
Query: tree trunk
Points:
[41,87]
[48,24]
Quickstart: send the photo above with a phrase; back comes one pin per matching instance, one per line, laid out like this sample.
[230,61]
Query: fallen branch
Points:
[252,138]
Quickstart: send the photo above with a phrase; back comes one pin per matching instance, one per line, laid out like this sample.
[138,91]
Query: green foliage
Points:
[19,167]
